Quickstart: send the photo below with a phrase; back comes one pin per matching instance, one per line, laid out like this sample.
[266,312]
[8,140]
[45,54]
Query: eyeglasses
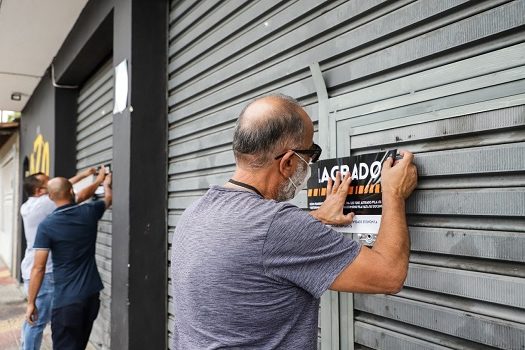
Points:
[314,152]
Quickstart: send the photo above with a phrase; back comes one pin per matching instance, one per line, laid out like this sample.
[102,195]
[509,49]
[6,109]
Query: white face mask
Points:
[301,182]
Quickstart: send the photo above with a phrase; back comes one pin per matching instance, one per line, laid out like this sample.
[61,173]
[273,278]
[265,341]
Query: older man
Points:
[248,269]
[70,234]
[33,211]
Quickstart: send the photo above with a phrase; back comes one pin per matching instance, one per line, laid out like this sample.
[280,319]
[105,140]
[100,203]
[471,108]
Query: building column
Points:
[139,267]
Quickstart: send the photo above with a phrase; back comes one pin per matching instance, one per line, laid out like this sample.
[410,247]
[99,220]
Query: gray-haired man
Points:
[248,269]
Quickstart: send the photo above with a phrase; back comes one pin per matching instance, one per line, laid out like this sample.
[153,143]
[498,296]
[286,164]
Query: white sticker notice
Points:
[121,87]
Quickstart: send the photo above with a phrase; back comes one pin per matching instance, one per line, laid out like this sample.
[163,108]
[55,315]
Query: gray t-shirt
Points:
[247,273]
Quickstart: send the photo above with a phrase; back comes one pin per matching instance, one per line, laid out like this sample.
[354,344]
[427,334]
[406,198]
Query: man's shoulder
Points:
[242,200]
[289,209]
[91,204]
[99,205]
[85,207]
[42,200]
[37,206]
[34,201]
[43,226]
[220,201]
[292,217]
[91,210]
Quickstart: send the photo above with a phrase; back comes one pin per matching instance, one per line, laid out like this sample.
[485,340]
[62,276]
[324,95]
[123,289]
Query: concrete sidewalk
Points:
[12,310]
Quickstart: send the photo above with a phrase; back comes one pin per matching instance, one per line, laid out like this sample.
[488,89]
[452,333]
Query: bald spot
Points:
[258,112]
[59,188]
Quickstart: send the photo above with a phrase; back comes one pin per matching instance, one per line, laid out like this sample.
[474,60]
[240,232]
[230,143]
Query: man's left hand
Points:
[89,171]
[331,211]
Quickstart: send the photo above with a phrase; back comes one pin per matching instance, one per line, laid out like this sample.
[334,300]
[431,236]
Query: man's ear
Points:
[286,166]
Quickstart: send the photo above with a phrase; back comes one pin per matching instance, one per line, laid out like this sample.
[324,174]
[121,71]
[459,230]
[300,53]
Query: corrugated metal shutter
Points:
[464,120]
[94,147]
[384,62]
[453,92]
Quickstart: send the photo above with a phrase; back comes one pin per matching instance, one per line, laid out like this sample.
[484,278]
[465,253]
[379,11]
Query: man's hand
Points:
[331,211]
[35,281]
[31,314]
[108,180]
[88,171]
[400,179]
[101,174]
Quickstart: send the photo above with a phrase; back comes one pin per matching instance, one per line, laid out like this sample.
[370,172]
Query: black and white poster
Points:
[364,193]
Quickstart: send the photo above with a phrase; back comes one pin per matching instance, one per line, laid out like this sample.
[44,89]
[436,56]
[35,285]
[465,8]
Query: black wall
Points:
[38,118]
[65,120]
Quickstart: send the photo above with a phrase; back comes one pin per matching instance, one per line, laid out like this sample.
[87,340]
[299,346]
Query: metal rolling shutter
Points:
[94,147]
[224,53]
[463,114]
[466,125]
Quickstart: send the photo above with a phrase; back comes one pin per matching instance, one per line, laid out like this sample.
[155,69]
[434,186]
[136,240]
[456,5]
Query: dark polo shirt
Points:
[70,232]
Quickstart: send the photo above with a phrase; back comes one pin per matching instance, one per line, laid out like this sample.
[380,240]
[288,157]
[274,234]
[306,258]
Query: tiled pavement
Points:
[12,309]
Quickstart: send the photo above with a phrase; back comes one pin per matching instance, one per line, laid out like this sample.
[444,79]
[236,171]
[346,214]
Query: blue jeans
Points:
[32,335]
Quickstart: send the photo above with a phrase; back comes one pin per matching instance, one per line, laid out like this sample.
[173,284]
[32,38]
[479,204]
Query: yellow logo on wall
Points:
[39,159]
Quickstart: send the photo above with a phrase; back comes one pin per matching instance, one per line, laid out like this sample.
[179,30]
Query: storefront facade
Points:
[445,80]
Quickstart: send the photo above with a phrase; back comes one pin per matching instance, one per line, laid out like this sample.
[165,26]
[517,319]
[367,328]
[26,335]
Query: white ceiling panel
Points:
[31,33]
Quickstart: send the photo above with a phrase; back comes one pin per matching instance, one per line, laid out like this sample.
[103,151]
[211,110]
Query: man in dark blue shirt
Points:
[70,234]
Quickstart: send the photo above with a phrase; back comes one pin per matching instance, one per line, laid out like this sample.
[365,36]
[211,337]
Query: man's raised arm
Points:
[88,191]
[82,174]
[383,268]
[108,192]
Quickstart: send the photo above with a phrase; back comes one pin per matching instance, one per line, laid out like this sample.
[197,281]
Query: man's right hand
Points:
[399,179]
[101,174]
[31,313]
[108,180]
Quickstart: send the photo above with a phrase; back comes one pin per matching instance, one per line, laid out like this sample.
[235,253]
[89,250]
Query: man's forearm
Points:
[35,281]
[393,241]
[75,179]
[88,191]
[108,195]
[81,175]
